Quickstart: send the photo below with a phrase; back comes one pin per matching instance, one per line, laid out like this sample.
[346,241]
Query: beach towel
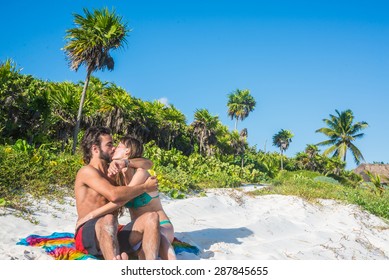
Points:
[61,246]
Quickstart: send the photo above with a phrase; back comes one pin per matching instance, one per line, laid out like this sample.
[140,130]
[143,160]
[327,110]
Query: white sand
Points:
[230,225]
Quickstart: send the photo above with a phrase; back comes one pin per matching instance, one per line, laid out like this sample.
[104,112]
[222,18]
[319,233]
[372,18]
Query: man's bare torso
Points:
[87,199]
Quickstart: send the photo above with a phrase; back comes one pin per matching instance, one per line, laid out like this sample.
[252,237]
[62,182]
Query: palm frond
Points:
[342,132]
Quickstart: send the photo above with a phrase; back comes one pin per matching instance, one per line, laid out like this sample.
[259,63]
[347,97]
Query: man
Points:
[94,188]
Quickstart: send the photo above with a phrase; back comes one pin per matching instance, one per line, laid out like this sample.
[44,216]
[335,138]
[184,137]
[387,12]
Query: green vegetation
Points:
[312,186]
[282,140]
[35,172]
[39,158]
[89,43]
[240,104]
[342,132]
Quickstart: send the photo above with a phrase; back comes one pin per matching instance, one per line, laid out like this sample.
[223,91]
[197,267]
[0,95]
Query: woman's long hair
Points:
[135,146]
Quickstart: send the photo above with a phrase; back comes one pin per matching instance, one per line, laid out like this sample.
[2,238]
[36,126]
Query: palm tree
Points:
[89,44]
[240,104]
[377,184]
[342,132]
[204,128]
[309,159]
[282,140]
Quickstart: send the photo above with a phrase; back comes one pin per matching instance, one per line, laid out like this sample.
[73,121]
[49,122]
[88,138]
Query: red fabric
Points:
[78,241]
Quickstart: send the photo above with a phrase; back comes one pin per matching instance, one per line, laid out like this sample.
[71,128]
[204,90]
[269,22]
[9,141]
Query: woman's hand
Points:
[116,166]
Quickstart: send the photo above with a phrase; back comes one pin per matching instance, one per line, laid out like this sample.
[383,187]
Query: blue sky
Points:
[301,60]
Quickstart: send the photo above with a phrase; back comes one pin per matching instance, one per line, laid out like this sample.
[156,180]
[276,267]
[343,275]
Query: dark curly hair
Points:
[92,137]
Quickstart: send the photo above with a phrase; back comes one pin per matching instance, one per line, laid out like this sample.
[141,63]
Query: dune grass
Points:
[306,185]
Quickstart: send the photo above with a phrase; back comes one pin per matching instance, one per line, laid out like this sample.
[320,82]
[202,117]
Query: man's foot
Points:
[122,256]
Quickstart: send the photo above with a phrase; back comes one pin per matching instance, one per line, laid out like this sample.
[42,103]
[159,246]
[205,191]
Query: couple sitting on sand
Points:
[113,179]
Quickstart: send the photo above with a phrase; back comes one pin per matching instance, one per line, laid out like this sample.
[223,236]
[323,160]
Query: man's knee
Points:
[108,224]
[109,219]
[152,219]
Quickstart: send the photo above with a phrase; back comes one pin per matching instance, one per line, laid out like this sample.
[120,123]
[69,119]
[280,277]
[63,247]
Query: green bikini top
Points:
[140,201]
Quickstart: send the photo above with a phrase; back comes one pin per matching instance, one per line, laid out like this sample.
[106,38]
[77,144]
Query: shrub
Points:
[326,179]
[186,173]
[303,185]
[36,172]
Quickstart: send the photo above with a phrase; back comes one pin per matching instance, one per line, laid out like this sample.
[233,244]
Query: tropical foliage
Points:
[240,104]
[313,187]
[39,157]
[342,132]
[282,139]
[204,129]
[376,184]
[90,43]
[38,117]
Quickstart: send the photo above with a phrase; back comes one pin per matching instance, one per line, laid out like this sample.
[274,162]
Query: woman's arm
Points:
[107,208]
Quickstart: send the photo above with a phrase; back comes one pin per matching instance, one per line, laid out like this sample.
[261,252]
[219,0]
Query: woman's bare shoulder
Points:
[141,171]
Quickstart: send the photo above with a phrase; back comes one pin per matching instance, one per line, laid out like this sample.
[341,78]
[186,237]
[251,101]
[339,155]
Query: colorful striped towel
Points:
[61,246]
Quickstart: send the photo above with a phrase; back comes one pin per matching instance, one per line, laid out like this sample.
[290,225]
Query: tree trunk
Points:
[282,163]
[77,127]
[236,124]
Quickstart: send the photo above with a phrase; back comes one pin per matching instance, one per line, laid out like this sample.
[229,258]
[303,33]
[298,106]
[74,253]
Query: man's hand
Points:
[115,167]
[151,184]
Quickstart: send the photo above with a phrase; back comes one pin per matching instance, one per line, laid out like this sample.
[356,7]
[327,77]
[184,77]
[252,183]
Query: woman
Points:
[129,148]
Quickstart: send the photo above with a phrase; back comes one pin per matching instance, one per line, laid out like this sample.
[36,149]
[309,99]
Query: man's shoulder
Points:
[87,170]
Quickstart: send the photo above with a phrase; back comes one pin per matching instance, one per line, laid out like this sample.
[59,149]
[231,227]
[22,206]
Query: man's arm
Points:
[116,194]
[118,164]
[107,208]
[143,163]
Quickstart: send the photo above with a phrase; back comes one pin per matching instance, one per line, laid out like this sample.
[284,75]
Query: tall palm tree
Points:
[240,104]
[89,44]
[342,132]
[204,128]
[282,140]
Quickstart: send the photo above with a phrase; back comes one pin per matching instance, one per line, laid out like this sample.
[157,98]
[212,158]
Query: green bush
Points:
[326,179]
[37,172]
[193,172]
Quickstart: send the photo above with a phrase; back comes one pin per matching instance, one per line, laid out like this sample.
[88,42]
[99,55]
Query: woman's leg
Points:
[166,250]
[146,230]
[168,230]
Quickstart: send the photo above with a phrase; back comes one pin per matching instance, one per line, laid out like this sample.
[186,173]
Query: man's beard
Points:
[105,156]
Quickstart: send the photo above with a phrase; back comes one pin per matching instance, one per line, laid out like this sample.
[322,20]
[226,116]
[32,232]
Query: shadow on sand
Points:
[205,238]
